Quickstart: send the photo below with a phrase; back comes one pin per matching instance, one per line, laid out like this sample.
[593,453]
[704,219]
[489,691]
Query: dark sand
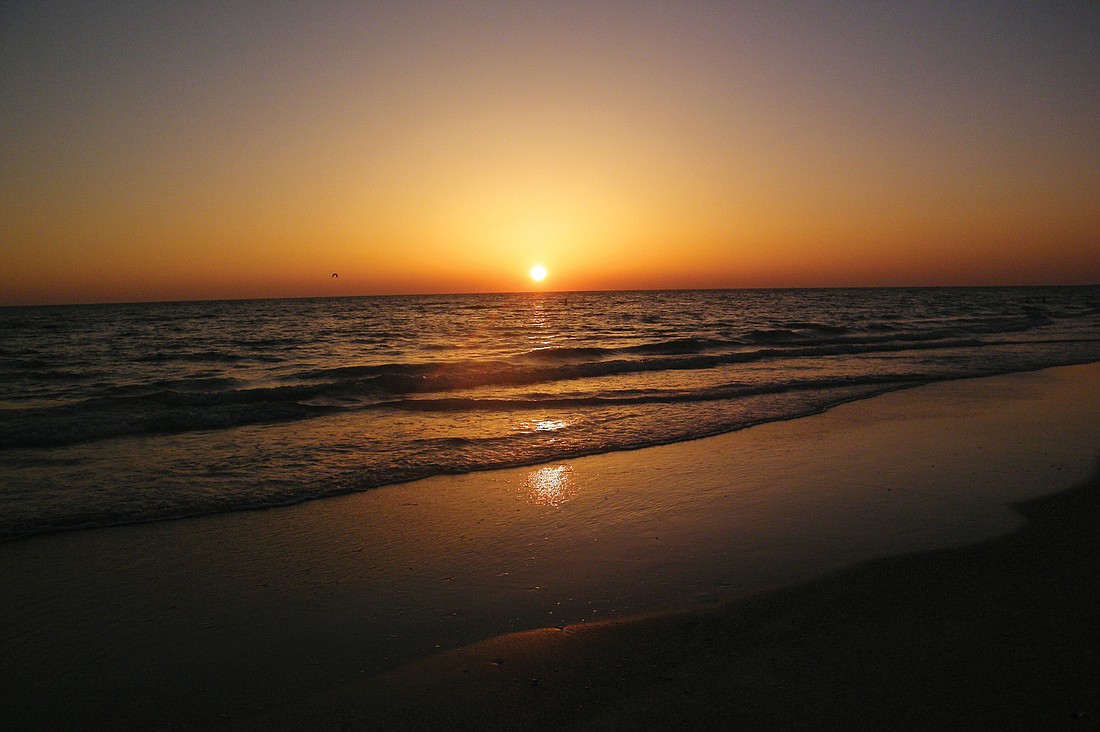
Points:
[1003,635]
[332,614]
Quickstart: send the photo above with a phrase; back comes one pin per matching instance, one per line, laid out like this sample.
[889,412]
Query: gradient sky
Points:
[193,150]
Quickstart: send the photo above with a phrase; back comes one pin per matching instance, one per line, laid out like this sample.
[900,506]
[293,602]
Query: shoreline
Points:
[10,535]
[219,620]
[999,634]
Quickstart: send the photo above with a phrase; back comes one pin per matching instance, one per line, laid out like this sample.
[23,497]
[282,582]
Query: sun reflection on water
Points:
[544,425]
[541,335]
[550,486]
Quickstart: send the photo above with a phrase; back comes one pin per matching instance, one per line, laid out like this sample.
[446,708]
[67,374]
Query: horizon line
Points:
[531,292]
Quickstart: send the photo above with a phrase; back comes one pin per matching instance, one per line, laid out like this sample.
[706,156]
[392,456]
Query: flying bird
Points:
[335,275]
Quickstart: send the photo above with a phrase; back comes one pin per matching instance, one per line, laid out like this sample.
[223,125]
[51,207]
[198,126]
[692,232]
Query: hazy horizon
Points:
[546,291]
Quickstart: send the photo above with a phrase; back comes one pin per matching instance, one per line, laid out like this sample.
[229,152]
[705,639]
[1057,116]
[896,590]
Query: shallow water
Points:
[137,412]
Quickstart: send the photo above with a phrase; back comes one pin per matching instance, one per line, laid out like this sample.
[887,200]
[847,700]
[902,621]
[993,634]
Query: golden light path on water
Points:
[543,425]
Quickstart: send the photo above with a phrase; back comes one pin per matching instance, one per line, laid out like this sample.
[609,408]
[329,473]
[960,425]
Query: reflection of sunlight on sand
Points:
[550,486]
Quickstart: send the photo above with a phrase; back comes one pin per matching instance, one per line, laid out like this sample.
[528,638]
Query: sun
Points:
[538,273]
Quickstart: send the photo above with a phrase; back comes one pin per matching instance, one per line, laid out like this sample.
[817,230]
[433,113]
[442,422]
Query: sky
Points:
[200,150]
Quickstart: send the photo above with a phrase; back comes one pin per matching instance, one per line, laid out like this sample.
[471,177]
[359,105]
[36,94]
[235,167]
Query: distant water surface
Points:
[125,413]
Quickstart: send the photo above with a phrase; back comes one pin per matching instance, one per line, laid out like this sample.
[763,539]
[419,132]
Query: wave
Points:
[184,405]
[552,364]
[219,399]
[652,396]
[161,413]
[162,357]
[671,347]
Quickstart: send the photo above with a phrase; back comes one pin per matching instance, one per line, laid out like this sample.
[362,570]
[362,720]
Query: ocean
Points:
[126,413]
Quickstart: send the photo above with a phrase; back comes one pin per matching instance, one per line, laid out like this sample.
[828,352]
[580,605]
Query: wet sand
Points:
[370,611]
[999,635]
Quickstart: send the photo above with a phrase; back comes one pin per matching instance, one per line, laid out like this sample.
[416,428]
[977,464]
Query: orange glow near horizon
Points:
[423,149]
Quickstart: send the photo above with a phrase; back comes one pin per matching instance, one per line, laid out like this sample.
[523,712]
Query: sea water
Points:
[138,412]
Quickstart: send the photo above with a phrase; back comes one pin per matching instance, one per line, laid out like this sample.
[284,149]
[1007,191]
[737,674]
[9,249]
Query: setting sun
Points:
[538,131]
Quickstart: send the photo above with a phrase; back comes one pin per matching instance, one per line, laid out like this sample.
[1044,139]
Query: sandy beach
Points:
[998,635]
[921,559]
